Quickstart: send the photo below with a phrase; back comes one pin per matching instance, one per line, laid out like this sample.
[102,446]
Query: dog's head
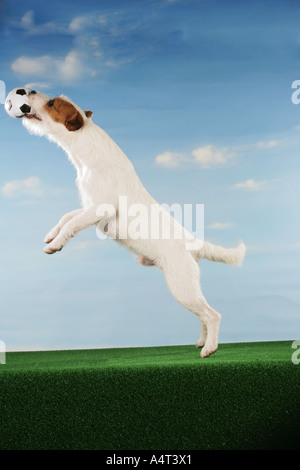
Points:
[54,116]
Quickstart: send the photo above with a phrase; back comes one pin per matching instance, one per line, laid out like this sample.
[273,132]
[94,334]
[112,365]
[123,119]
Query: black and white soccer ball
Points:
[17,104]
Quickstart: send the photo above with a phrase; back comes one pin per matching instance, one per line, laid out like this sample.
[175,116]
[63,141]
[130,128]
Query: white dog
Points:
[104,174]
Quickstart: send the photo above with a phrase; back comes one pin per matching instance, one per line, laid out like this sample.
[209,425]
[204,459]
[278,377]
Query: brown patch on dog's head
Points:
[65,113]
[88,113]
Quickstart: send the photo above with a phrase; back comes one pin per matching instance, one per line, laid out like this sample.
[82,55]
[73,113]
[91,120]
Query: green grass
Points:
[245,396]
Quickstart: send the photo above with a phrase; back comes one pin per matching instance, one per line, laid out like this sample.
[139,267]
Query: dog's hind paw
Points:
[206,351]
[145,261]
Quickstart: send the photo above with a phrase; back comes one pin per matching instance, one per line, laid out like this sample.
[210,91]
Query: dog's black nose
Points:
[33,92]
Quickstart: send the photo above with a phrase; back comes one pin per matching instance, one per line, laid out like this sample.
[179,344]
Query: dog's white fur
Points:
[103,174]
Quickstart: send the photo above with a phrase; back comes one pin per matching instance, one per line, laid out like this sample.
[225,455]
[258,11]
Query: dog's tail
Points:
[231,256]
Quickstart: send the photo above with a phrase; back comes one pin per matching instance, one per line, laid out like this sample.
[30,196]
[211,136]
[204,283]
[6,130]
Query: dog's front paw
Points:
[52,248]
[51,235]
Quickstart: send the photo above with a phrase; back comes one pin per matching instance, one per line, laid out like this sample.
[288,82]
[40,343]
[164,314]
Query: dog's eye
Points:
[50,103]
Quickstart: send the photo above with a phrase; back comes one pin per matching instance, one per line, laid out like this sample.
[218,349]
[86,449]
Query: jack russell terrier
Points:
[104,173]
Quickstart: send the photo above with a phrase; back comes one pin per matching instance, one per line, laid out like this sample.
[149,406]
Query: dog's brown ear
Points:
[74,121]
[88,113]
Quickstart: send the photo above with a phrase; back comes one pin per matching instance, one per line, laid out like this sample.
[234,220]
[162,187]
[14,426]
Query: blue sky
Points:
[198,95]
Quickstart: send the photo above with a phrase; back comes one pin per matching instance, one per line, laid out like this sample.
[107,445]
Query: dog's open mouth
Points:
[32,116]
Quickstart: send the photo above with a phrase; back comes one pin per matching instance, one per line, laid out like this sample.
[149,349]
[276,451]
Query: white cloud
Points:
[169,159]
[208,156]
[68,69]
[101,19]
[31,186]
[38,85]
[219,225]
[268,145]
[27,20]
[83,22]
[251,185]
[71,67]
[28,24]
[116,63]
[79,23]
[93,37]
[32,66]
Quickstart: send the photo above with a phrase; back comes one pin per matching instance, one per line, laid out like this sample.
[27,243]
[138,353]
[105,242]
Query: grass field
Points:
[245,396]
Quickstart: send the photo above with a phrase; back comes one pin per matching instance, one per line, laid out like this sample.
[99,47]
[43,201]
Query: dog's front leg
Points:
[57,228]
[85,218]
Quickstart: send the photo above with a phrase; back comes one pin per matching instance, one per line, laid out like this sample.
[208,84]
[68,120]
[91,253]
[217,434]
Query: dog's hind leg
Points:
[201,341]
[183,280]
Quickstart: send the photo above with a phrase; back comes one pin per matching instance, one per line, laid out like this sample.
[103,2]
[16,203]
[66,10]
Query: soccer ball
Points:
[17,104]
